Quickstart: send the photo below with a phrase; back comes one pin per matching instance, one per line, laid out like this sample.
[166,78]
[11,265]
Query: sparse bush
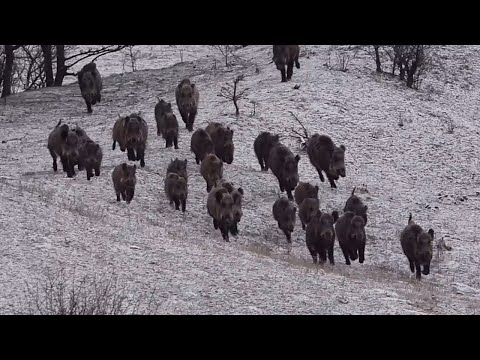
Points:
[61,294]
[231,93]
[343,55]
[228,52]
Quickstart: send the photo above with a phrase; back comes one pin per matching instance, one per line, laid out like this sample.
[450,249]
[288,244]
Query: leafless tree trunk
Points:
[377,58]
[47,64]
[8,69]
[61,69]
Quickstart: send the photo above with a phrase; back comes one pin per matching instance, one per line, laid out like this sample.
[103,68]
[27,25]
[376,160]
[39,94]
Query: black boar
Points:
[327,157]
[307,209]
[355,205]
[262,146]
[351,236]
[187,97]
[304,191]
[124,181]
[90,83]
[211,169]
[417,247]
[222,137]
[64,142]
[131,133]
[320,236]
[201,144]
[284,166]
[178,167]
[237,195]
[286,55]
[284,212]
[220,208]
[167,124]
[90,158]
[176,188]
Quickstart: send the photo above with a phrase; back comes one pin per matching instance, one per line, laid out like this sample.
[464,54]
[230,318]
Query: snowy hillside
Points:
[48,221]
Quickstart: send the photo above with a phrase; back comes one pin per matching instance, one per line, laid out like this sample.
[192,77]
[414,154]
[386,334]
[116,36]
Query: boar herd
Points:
[212,147]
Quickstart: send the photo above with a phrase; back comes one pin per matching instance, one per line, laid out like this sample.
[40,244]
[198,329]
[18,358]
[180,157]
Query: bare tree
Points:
[8,69]
[230,93]
[66,61]
[48,65]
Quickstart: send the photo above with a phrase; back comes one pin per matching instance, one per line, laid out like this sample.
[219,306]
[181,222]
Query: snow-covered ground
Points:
[48,221]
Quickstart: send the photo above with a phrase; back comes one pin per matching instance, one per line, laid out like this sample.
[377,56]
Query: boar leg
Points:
[175,143]
[289,194]
[288,235]
[131,154]
[215,224]
[97,171]
[345,254]
[289,71]
[322,254]
[118,195]
[184,205]
[330,255]
[284,78]
[177,203]
[418,270]
[361,254]
[332,182]
[191,119]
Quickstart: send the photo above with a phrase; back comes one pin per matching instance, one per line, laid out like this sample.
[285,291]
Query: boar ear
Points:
[193,85]
[342,147]
[124,167]
[218,196]
[294,209]
[185,161]
[365,208]
[335,216]
[431,233]
[316,188]
[127,118]
[240,190]
[97,146]
[297,158]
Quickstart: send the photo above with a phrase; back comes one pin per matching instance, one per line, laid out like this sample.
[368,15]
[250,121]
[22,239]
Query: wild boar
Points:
[284,166]
[131,133]
[176,189]
[262,146]
[351,236]
[307,209]
[284,212]
[124,180]
[355,205]
[220,208]
[320,236]
[90,83]
[211,169]
[187,98]
[201,144]
[286,55]
[222,137]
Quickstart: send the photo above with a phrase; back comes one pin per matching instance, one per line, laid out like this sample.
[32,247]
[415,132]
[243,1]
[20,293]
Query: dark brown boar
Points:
[187,98]
[305,190]
[124,181]
[307,209]
[320,236]
[284,166]
[131,133]
[90,158]
[262,146]
[211,169]
[284,212]
[355,205]
[417,247]
[64,142]
[222,137]
[237,195]
[167,124]
[178,167]
[176,188]
[351,236]
[201,144]
[220,208]
[325,156]
[90,83]
[286,55]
